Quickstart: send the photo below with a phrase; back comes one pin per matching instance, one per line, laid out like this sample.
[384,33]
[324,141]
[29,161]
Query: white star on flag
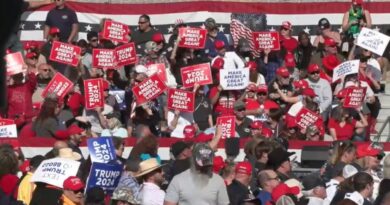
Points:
[221,28]
[306,30]
[38,25]
[272,29]
[22,26]
[377,28]
[203,26]
[170,29]
[88,28]
[340,29]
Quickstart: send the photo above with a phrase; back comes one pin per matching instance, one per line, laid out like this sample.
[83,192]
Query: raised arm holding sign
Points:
[149,89]
[266,40]
[228,126]
[93,93]
[346,68]
[14,63]
[115,31]
[373,41]
[181,100]
[196,74]
[104,58]
[192,37]
[234,79]
[59,85]
[65,53]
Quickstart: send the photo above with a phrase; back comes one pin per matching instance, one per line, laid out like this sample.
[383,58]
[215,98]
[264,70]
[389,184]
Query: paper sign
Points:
[306,117]
[234,79]
[228,124]
[181,100]
[346,68]
[192,37]
[200,74]
[159,69]
[115,31]
[149,89]
[65,53]
[101,149]
[125,54]
[59,85]
[55,171]
[104,58]
[373,41]
[14,63]
[355,97]
[266,40]
[105,176]
[8,129]
[93,93]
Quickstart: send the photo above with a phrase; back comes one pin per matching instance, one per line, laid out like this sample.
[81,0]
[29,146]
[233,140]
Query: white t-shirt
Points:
[151,194]
[185,118]
[231,61]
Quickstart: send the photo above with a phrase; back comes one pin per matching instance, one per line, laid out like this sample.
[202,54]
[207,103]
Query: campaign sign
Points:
[355,97]
[93,93]
[181,100]
[346,68]
[149,89]
[8,129]
[373,41]
[266,40]
[192,37]
[234,79]
[101,149]
[306,117]
[200,74]
[158,68]
[104,58]
[125,54]
[65,53]
[105,176]
[59,85]
[14,63]
[228,124]
[55,171]
[115,31]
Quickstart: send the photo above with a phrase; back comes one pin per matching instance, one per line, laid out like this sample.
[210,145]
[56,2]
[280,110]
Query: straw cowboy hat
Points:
[148,166]
[69,154]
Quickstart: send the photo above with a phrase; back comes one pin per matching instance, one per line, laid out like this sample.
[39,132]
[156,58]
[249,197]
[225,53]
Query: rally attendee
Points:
[284,83]
[128,179]
[222,100]
[152,176]
[329,63]
[254,76]
[330,48]
[268,180]
[303,53]
[322,89]
[8,171]
[290,64]
[314,189]
[231,59]
[202,109]
[86,58]
[242,122]
[73,191]
[213,34]
[260,110]
[31,62]
[343,153]
[76,135]
[356,18]
[143,34]
[363,186]
[124,196]
[63,18]
[198,185]
[279,161]
[182,153]
[270,61]
[94,196]
[331,187]
[288,42]
[26,187]
[325,29]
[239,188]
[256,129]
[342,125]
[93,41]
[177,120]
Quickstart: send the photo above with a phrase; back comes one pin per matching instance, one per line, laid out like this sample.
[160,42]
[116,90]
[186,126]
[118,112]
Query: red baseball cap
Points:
[270,104]
[252,87]
[54,30]
[330,62]
[290,121]
[283,189]
[218,63]
[106,85]
[266,132]
[30,45]
[330,42]
[74,130]
[282,72]
[256,124]
[357,2]
[262,89]
[252,65]
[300,84]
[218,164]
[219,44]
[309,92]
[189,132]
[366,150]
[289,60]
[342,93]
[158,37]
[286,25]
[31,55]
[244,168]
[313,68]
[203,137]
[73,183]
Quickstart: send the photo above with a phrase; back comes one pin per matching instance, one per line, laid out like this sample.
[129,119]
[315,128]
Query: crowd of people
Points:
[298,75]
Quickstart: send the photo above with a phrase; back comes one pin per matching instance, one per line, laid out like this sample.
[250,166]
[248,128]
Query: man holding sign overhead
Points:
[232,60]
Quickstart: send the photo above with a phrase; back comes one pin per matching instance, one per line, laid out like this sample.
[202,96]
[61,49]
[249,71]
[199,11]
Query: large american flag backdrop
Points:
[256,16]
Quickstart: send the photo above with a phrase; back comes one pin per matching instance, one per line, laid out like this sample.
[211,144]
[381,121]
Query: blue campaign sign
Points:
[105,176]
[101,149]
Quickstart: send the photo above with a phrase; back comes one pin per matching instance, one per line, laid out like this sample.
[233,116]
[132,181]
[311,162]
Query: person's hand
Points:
[267,51]
[220,88]
[99,110]
[276,86]
[218,131]
[196,87]
[177,112]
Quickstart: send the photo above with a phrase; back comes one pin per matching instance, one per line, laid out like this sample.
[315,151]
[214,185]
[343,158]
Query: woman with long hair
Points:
[342,125]
[8,170]
[343,153]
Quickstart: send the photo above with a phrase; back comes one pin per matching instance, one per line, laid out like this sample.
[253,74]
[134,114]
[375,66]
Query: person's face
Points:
[256,132]
[350,156]
[240,113]
[373,162]
[356,6]
[139,77]
[331,49]
[31,61]
[44,71]
[285,32]
[55,37]
[273,179]
[366,52]
[305,40]
[261,96]
[187,152]
[159,177]
[363,66]
[143,24]
[120,150]
[221,52]
[314,136]
[78,138]
[60,2]
[286,166]
[314,76]
[264,158]
[75,196]
[283,80]
[94,42]
[320,192]
[251,94]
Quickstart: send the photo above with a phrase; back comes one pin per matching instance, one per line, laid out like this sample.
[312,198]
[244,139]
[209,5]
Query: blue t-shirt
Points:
[209,49]
[62,19]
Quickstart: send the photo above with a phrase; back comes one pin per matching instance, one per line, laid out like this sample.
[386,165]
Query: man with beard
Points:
[242,122]
[198,185]
[76,135]
[152,177]
[284,82]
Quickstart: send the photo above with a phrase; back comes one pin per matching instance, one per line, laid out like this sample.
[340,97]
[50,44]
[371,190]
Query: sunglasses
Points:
[241,110]
[262,94]
[315,73]
[79,191]
[142,22]
[275,178]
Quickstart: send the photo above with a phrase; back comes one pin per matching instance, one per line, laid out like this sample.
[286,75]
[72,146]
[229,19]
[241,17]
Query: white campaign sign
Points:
[346,68]
[234,79]
[373,41]
[8,131]
[55,171]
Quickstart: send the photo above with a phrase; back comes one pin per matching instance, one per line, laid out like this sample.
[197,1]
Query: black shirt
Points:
[140,39]
[243,129]
[284,88]
[237,192]
[62,19]
[202,110]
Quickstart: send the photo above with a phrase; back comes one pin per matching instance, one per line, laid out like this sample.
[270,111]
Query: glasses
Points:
[79,191]
[142,22]
[241,110]
[262,94]
[315,73]
[275,178]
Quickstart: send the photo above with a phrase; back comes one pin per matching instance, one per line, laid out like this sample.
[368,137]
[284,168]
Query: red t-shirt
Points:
[251,104]
[343,133]
[8,184]
[224,105]
[289,44]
